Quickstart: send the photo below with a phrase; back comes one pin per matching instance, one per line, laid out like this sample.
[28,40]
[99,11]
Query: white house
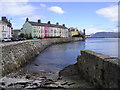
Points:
[5,28]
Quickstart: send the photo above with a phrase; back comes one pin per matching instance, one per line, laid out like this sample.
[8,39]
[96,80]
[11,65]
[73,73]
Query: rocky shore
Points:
[46,80]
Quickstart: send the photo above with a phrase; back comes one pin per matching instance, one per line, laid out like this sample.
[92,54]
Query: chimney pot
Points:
[57,23]
[64,25]
[4,19]
[27,19]
[48,22]
[39,21]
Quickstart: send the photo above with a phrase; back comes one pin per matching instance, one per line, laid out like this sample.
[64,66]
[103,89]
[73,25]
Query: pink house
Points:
[46,28]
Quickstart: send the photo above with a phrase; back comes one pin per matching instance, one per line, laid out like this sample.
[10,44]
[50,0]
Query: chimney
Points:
[27,19]
[57,23]
[4,19]
[48,22]
[64,25]
[39,21]
[83,31]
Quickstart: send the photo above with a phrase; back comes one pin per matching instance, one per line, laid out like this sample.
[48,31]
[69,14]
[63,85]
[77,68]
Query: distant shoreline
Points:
[102,37]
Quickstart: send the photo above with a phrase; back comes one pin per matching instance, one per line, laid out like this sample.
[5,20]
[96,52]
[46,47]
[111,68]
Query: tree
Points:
[22,35]
[30,36]
[26,36]
[13,35]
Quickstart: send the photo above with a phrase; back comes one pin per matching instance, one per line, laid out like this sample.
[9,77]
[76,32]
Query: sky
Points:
[92,16]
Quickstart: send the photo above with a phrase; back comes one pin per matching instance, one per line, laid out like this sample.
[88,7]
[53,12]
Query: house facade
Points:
[73,31]
[38,29]
[16,32]
[5,28]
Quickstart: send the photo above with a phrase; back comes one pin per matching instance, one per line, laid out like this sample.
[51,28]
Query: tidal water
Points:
[58,56]
[108,46]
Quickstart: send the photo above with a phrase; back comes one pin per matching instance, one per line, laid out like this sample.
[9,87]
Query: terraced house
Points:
[74,31]
[39,29]
[5,28]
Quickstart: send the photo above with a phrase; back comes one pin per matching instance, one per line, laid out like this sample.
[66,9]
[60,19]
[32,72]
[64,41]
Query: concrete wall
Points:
[16,54]
[102,70]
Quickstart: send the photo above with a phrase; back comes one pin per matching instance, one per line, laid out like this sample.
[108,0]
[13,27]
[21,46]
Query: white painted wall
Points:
[0,29]
[5,31]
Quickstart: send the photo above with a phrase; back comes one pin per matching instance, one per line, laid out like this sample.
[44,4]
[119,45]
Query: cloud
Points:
[91,25]
[110,12]
[57,9]
[14,0]
[42,5]
[94,30]
[14,8]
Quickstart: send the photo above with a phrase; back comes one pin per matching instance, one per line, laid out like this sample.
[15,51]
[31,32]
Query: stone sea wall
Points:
[101,70]
[15,54]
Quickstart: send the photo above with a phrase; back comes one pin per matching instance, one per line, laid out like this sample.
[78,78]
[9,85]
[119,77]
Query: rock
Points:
[36,65]
[65,83]
[53,86]
[50,80]
[44,77]
[32,87]
[2,87]
[27,77]
[15,86]
[59,78]
[13,81]
[2,83]
[37,82]
[70,84]
[47,83]
[23,82]
[69,71]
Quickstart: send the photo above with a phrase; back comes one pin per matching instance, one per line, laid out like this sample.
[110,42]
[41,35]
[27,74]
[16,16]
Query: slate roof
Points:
[9,24]
[46,24]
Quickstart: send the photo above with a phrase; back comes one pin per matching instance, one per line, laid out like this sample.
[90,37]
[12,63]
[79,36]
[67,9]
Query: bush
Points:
[52,37]
[35,37]
[22,35]
[26,36]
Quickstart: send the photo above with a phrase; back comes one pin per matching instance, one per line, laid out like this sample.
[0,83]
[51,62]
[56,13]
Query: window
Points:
[3,28]
[55,31]
[34,31]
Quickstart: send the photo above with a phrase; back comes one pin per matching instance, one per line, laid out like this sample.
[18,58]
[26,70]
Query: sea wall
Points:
[14,55]
[101,70]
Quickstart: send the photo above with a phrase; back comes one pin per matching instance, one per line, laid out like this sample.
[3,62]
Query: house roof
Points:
[4,20]
[46,24]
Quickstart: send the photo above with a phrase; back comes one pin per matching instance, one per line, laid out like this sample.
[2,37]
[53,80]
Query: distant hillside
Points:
[106,34]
